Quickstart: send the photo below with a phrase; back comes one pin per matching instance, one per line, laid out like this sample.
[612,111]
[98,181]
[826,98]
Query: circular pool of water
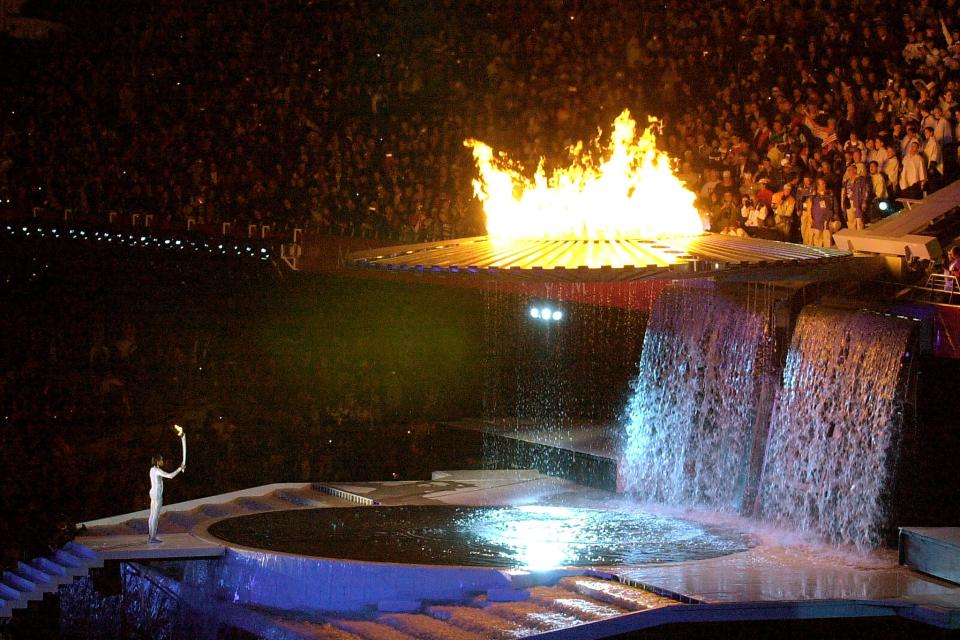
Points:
[534,537]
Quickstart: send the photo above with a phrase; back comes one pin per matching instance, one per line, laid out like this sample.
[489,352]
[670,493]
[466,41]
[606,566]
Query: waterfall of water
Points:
[690,422]
[835,427]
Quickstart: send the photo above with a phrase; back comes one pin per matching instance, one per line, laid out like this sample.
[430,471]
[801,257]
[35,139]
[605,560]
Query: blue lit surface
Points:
[532,537]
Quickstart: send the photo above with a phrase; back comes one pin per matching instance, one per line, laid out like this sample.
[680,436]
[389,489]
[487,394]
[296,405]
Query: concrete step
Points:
[136,525]
[260,503]
[49,567]
[73,566]
[178,522]
[97,531]
[296,498]
[933,550]
[477,620]
[316,493]
[28,590]
[32,573]
[81,551]
[426,627]
[573,604]
[251,505]
[615,593]
[9,594]
[330,632]
[49,581]
[6,609]
[313,630]
[43,584]
[21,584]
[371,630]
[31,581]
[211,511]
[531,615]
[67,559]
[80,556]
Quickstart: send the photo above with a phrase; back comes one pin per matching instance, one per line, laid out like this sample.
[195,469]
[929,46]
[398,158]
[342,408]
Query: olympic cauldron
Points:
[617,212]
[614,260]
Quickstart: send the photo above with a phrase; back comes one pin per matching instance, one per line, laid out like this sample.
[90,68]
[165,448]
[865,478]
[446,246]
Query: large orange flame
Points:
[628,191]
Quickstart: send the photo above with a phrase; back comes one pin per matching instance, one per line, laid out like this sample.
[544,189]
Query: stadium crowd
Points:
[349,117]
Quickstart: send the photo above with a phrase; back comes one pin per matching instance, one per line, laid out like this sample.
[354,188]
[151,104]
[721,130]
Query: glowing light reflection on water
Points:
[533,537]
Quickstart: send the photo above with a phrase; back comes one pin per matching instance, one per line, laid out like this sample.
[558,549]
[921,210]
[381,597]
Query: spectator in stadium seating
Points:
[953,267]
[785,212]
[891,166]
[855,197]
[753,214]
[363,138]
[933,154]
[805,192]
[879,189]
[728,219]
[824,212]
[913,177]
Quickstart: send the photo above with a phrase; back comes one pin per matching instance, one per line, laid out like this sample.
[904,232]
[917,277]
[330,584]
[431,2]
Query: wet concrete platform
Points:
[932,550]
[586,453]
[172,546]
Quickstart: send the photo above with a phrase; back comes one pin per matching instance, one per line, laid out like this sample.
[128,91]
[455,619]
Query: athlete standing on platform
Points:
[157,476]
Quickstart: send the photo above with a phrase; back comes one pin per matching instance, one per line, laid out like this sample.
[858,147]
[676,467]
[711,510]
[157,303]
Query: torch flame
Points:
[631,192]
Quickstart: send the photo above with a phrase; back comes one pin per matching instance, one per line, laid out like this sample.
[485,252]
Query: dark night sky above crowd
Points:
[349,117]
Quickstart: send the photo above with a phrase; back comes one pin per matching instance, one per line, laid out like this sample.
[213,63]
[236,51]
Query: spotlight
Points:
[557,315]
[545,313]
[888,206]
[534,313]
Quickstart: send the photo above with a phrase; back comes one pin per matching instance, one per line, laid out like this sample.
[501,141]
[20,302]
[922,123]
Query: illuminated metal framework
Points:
[708,254]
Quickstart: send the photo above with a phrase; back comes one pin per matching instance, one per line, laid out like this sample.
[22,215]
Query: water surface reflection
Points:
[535,537]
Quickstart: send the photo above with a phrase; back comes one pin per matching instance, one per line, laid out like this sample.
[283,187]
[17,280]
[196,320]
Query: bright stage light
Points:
[884,205]
[546,313]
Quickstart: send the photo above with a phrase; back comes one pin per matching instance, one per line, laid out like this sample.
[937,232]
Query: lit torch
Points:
[183,445]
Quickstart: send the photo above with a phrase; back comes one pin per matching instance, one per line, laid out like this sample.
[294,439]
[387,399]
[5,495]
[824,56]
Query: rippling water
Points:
[534,537]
